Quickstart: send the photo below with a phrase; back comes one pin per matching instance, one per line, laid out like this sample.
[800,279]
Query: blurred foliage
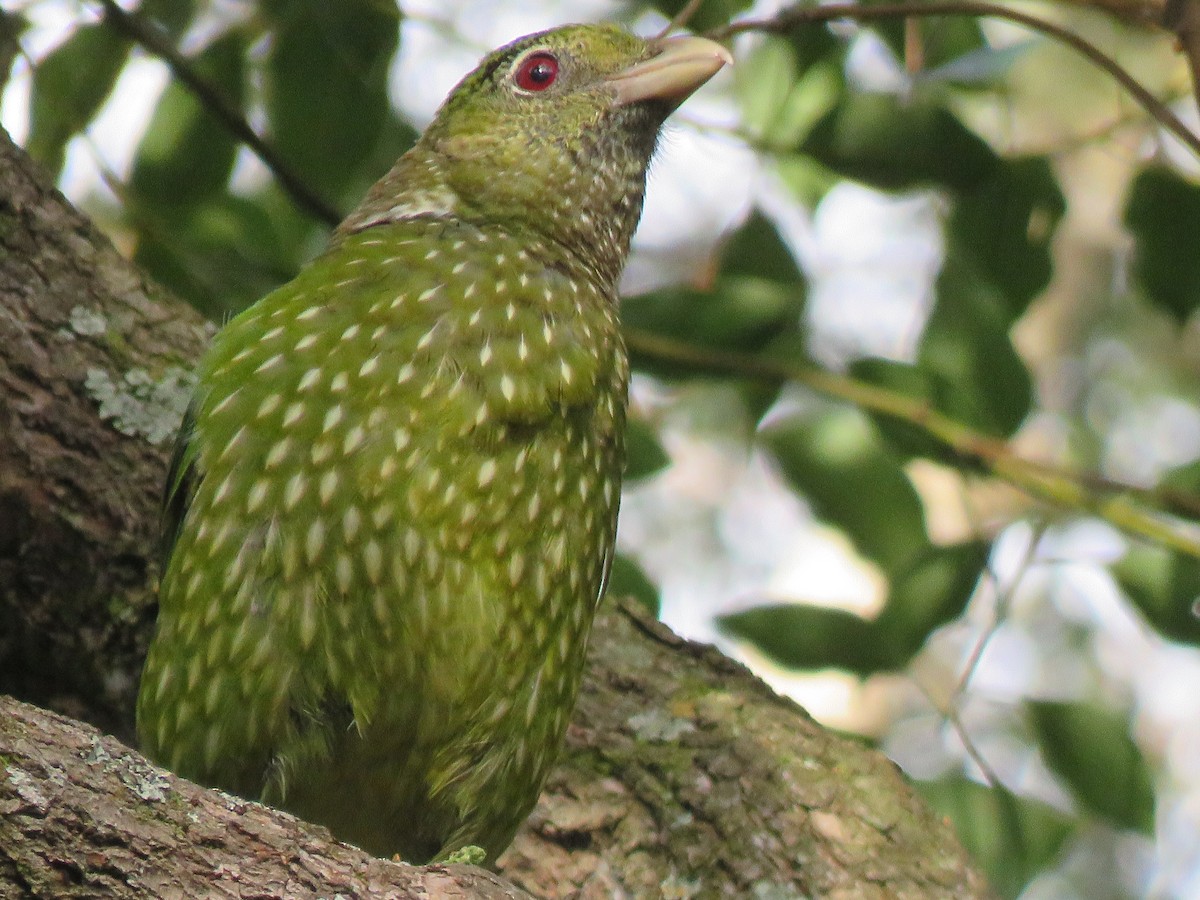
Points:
[313,78]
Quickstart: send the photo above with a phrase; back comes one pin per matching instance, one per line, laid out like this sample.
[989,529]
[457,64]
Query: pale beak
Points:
[681,65]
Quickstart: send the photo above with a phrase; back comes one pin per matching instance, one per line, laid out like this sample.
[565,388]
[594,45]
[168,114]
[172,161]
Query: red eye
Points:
[536,72]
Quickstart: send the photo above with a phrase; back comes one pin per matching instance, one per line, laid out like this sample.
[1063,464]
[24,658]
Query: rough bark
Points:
[81,815]
[683,775]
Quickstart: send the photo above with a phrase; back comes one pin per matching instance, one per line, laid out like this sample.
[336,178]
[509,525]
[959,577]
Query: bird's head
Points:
[551,136]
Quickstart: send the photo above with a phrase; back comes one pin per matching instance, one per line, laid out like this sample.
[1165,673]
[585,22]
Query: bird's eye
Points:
[536,72]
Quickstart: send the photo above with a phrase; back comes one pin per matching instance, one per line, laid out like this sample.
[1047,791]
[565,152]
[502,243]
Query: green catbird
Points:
[392,508]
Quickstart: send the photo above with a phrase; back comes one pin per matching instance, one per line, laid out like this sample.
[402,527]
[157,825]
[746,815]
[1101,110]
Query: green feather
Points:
[393,506]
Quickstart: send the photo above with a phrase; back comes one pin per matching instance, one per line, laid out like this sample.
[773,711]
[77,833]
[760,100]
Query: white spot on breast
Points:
[428,294]
[383,514]
[516,568]
[294,490]
[226,401]
[400,438]
[305,342]
[487,471]
[373,561]
[270,363]
[308,313]
[238,437]
[406,372]
[268,406]
[223,489]
[311,377]
[354,437]
[387,468]
[351,522]
[485,355]
[327,487]
[339,383]
[350,332]
[293,414]
[314,541]
[566,372]
[368,367]
[332,418]
[321,451]
[257,495]
[508,387]
[308,621]
[522,349]
[344,571]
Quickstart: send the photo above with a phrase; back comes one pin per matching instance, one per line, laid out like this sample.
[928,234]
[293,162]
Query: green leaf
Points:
[949,39]
[187,155]
[884,141]
[1163,213]
[765,80]
[1012,838]
[710,14]
[1003,229]
[806,637]
[1165,587]
[903,438]
[68,88]
[932,592]
[981,67]
[756,250]
[646,454]
[757,296]
[325,85]
[172,16]
[626,579]
[1090,748]
[833,456]
[224,254]
[982,381]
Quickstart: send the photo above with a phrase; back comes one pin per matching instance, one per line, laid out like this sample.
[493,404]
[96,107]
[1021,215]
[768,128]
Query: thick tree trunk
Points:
[683,775]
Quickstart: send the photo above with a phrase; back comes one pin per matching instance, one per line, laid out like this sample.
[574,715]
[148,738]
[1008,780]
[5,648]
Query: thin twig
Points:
[1049,484]
[796,16]
[1183,18]
[681,18]
[216,103]
[999,612]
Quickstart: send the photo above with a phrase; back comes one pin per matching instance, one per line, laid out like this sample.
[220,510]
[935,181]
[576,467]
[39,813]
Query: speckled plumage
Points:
[394,505]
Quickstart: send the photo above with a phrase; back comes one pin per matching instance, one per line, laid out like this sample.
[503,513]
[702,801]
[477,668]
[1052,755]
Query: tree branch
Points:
[797,16]
[1110,500]
[681,770]
[145,36]
[1183,18]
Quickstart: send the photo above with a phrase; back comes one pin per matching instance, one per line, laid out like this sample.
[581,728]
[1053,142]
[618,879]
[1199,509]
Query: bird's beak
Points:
[680,65]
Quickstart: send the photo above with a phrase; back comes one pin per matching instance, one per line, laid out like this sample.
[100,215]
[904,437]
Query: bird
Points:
[392,507]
